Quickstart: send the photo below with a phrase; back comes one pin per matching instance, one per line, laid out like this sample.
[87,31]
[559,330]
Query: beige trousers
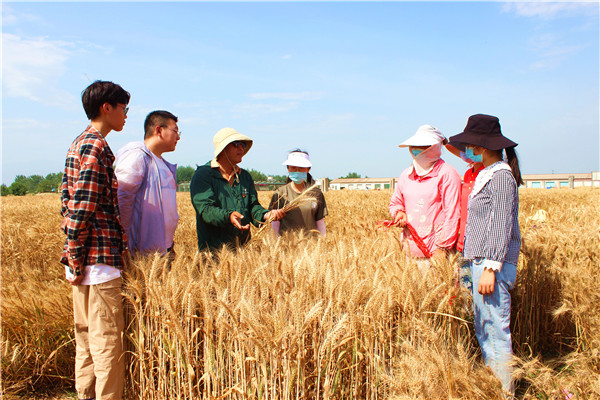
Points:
[99,324]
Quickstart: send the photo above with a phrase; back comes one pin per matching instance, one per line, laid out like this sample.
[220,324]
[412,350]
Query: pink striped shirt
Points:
[431,204]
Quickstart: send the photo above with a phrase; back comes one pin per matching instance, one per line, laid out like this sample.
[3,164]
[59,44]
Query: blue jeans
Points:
[492,321]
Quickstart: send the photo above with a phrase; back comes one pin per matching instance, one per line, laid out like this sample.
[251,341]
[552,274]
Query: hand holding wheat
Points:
[275,215]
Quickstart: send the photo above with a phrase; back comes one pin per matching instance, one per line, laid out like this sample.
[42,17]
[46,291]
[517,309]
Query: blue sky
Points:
[347,81]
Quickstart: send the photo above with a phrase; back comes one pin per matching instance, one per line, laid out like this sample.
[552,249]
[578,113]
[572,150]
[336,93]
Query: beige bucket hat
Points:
[229,135]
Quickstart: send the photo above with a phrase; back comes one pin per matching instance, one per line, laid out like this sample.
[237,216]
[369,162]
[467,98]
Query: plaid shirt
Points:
[492,230]
[89,205]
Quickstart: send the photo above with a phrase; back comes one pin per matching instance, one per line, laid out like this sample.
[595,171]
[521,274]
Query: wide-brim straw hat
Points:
[229,135]
[426,135]
[482,130]
[298,159]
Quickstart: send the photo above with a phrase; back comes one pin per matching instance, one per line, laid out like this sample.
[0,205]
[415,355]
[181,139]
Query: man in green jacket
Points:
[224,196]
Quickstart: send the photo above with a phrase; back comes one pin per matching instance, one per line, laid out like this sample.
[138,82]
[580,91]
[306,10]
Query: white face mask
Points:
[425,161]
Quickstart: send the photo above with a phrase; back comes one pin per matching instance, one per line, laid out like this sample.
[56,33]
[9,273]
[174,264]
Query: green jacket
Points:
[214,200]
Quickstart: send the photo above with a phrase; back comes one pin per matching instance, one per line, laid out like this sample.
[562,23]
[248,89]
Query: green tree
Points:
[18,188]
[5,190]
[21,179]
[51,183]
[279,178]
[184,174]
[351,175]
[33,182]
[257,176]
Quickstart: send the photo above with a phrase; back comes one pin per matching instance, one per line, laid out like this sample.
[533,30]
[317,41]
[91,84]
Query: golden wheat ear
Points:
[305,198]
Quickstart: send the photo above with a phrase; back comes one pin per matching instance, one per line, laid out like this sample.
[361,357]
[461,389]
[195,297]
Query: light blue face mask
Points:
[469,154]
[416,152]
[464,157]
[298,177]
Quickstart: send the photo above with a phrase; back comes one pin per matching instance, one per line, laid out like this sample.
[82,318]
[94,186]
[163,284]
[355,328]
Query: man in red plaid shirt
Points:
[95,246]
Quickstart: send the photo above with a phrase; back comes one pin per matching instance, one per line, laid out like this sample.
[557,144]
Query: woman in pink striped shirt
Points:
[427,194]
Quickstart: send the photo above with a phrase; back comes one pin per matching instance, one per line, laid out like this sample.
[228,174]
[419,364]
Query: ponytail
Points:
[513,163]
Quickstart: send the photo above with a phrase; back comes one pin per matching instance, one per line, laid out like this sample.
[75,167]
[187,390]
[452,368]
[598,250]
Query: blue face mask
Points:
[298,177]
[464,157]
[473,157]
[416,152]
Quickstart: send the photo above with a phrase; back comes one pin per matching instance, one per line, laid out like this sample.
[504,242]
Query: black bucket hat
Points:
[482,130]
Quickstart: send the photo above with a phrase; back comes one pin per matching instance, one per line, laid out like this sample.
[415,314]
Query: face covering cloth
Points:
[425,161]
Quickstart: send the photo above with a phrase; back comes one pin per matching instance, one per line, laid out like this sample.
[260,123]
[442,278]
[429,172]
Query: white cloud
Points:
[288,96]
[551,10]
[287,56]
[10,17]
[551,51]
[33,67]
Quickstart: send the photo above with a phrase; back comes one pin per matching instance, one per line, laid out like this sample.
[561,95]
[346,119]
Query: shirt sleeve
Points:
[258,212]
[277,200]
[83,205]
[321,227]
[397,200]
[130,169]
[204,199]
[322,211]
[450,198]
[499,227]
[493,265]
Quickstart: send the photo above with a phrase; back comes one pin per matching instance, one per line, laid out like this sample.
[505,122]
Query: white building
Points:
[362,184]
[540,181]
[549,181]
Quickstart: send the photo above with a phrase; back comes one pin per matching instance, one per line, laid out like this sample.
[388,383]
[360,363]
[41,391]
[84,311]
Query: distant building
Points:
[549,181]
[539,181]
[362,184]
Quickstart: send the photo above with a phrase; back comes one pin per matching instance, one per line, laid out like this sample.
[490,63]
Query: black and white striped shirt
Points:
[492,230]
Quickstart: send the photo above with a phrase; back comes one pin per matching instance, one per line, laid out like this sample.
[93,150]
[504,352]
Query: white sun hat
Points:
[229,135]
[298,159]
[426,135]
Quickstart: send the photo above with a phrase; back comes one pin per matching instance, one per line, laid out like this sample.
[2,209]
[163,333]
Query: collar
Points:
[95,131]
[215,165]
[432,174]
[485,175]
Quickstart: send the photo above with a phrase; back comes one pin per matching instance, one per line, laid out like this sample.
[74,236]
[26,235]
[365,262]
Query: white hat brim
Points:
[298,159]
[419,140]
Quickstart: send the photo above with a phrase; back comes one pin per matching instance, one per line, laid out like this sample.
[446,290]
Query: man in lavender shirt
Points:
[148,186]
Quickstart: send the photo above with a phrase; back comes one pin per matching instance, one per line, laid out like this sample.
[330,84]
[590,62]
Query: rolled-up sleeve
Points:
[500,222]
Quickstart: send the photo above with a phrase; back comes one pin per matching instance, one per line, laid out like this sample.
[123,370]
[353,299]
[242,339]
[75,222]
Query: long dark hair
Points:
[513,163]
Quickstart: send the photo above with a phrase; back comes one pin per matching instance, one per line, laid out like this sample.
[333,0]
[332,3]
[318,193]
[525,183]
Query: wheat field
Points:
[347,316]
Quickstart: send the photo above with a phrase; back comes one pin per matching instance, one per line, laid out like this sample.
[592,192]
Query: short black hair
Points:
[156,118]
[101,92]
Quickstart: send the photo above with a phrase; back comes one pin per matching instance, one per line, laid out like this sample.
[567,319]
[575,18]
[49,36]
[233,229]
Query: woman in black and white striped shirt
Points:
[492,238]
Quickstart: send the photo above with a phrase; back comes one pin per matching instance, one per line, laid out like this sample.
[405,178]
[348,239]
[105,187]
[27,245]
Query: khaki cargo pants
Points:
[99,324]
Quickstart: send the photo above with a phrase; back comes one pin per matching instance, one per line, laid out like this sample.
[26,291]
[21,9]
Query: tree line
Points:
[23,185]
[51,183]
